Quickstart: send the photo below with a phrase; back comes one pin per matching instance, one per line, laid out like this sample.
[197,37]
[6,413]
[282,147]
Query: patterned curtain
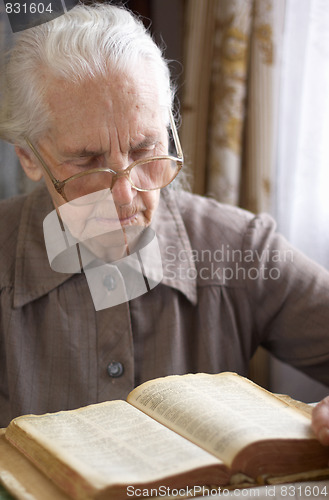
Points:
[230,100]
[230,97]
[199,30]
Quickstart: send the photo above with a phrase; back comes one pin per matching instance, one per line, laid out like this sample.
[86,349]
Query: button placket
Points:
[115,353]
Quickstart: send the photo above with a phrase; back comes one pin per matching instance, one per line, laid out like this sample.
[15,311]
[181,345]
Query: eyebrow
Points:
[147,142]
[84,153]
[88,153]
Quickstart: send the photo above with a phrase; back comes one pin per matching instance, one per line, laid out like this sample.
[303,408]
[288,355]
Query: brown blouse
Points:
[230,284]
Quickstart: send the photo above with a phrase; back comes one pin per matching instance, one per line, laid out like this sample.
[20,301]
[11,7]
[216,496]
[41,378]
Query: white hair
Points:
[83,43]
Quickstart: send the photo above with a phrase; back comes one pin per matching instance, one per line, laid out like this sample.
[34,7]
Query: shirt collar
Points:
[174,241]
[35,278]
[33,274]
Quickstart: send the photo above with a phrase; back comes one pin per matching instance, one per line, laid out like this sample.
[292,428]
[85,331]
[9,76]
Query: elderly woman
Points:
[87,104]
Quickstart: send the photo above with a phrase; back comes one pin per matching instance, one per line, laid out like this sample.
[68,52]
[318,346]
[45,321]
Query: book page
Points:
[112,443]
[222,413]
[21,479]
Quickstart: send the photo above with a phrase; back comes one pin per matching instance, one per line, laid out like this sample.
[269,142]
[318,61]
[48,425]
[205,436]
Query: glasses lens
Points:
[87,184]
[149,175]
[154,174]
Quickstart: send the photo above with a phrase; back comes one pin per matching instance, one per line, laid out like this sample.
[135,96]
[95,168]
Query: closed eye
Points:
[143,153]
[87,163]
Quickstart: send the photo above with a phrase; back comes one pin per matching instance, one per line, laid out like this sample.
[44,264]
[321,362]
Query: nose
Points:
[122,191]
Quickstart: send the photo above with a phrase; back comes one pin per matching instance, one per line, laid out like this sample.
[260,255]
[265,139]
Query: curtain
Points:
[302,201]
[302,170]
[230,99]
[229,84]
[231,62]
[199,30]
[256,103]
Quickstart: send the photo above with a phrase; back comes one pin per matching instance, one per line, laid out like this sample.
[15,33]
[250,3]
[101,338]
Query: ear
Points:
[29,164]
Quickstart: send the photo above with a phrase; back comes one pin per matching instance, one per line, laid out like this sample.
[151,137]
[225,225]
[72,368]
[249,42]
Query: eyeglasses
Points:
[146,174]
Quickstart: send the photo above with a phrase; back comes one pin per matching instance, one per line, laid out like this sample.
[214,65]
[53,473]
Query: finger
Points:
[320,421]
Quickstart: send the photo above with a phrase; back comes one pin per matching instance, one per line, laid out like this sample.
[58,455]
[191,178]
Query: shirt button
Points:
[109,282]
[115,369]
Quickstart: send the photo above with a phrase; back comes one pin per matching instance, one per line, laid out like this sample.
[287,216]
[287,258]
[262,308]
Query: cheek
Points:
[76,220]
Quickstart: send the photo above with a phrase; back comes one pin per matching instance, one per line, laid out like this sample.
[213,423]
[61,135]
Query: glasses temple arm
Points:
[175,136]
[39,157]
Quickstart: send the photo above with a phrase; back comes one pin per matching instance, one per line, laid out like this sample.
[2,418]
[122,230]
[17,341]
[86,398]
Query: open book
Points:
[173,432]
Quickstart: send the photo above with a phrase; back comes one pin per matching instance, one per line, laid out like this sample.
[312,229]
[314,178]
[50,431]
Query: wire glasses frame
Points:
[60,185]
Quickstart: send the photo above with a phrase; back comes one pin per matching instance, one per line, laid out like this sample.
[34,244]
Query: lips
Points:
[113,214]
[129,218]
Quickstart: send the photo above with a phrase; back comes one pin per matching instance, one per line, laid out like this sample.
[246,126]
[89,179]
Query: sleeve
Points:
[289,298]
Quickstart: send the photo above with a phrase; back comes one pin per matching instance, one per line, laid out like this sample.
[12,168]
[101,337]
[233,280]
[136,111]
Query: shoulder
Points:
[21,235]
[10,213]
[14,204]
[209,221]
[11,210]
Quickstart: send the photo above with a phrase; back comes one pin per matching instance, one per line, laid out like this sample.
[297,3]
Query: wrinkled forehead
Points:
[123,106]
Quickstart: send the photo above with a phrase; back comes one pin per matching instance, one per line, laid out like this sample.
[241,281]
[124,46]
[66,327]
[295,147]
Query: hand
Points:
[320,421]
